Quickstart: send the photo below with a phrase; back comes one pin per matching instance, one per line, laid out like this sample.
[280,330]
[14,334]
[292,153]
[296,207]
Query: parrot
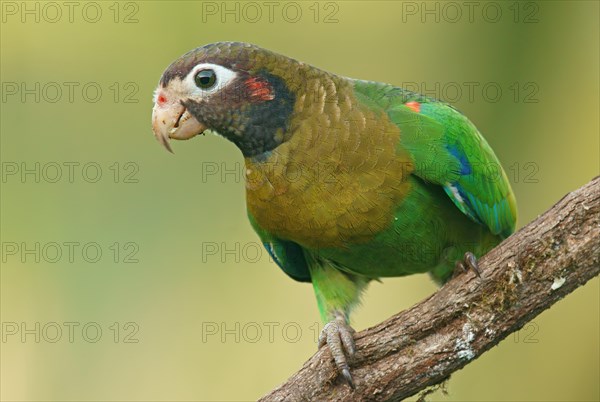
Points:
[347,180]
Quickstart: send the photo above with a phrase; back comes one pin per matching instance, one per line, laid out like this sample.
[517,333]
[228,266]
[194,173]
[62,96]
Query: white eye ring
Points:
[224,76]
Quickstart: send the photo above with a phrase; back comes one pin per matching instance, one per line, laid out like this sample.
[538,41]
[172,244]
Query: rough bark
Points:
[420,347]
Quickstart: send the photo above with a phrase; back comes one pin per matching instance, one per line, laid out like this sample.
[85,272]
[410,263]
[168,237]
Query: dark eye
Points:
[205,79]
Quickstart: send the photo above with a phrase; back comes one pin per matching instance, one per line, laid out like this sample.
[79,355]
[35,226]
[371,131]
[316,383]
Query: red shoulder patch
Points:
[259,89]
[416,106]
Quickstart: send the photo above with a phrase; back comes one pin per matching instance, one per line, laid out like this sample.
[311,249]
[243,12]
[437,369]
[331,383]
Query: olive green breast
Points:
[338,178]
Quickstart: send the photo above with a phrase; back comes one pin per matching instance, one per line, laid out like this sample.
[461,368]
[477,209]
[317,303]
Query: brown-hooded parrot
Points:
[347,180]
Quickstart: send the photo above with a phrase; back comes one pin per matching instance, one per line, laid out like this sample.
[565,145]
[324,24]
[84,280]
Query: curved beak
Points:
[172,120]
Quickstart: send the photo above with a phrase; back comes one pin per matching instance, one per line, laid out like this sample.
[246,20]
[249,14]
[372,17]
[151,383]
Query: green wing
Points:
[288,255]
[447,149]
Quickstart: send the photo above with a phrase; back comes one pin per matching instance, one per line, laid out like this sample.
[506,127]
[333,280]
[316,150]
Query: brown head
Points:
[240,91]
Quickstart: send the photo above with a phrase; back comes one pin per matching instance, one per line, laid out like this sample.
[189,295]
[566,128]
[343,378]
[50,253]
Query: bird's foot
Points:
[339,336]
[468,263]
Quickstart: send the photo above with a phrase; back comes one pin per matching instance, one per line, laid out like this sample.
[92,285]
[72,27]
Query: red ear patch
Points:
[416,106]
[259,89]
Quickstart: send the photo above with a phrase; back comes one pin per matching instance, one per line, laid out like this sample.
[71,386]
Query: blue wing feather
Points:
[448,150]
[288,255]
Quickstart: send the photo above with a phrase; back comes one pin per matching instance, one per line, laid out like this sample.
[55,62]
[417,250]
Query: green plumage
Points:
[347,180]
[458,200]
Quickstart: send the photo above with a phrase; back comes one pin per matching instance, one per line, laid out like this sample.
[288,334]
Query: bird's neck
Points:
[337,179]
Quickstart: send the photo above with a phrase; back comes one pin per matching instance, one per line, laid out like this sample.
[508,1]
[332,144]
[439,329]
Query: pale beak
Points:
[172,120]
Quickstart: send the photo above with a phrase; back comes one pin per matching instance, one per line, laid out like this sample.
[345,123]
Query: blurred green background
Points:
[200,311]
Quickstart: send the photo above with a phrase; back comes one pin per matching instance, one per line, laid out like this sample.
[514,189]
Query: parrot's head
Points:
[240,91]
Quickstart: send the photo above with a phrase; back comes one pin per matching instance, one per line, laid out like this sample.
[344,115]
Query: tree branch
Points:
[523,276]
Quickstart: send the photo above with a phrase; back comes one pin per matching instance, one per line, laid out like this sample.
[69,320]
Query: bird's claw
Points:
[468,263]
[339,336]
